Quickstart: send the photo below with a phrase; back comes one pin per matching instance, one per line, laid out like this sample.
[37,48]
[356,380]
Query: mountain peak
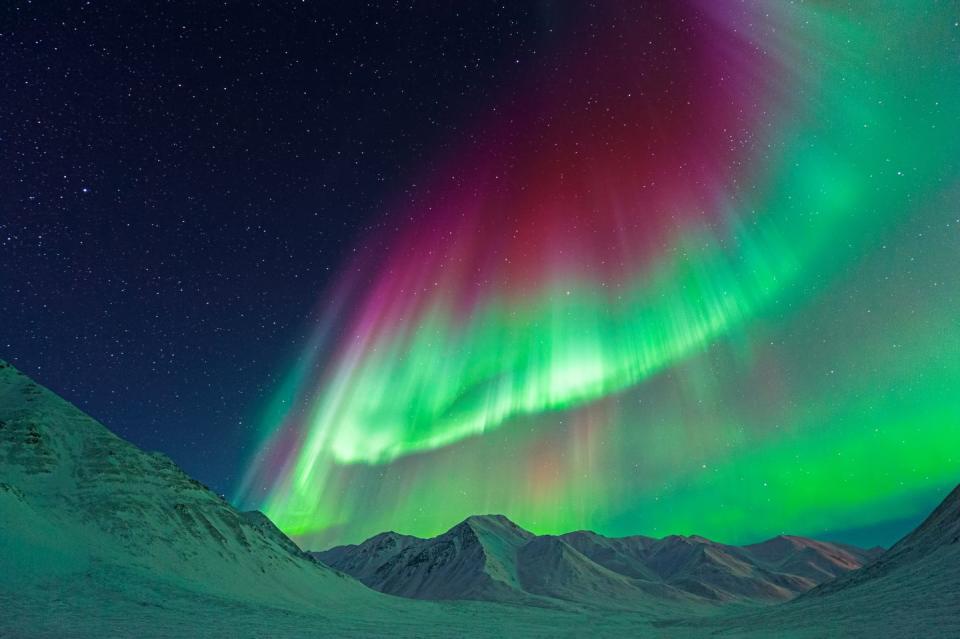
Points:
[498,523]
[491,557]
[502,519]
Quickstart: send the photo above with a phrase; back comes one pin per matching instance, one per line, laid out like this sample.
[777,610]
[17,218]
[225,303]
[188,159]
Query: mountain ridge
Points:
[489,557]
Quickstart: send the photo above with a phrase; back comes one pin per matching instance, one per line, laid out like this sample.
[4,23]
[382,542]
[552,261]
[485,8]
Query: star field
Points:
[184,178]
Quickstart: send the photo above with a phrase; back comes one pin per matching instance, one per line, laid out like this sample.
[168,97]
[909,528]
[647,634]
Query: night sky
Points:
[637,267]
[183,179]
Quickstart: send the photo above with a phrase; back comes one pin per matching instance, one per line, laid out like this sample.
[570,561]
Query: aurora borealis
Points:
[694,274]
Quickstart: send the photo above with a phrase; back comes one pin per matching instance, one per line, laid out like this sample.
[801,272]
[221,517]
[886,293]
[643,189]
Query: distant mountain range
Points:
[98,538]
[491,558]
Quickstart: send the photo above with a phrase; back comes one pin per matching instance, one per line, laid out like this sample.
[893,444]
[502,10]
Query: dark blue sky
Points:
[181,180]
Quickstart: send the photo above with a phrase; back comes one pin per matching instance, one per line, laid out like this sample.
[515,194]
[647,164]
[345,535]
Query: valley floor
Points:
[128,605]
[102,608]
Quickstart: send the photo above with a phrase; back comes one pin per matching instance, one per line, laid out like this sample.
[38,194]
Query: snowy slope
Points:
[550,567]
[75,494]
[624,555]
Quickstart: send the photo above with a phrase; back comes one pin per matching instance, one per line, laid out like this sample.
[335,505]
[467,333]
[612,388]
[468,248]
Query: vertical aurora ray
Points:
[611,308]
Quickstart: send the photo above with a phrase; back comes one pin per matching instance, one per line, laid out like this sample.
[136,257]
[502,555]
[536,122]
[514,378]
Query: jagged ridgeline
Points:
[491,558]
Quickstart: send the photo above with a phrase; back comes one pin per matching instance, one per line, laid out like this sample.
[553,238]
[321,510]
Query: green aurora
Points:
[788,361]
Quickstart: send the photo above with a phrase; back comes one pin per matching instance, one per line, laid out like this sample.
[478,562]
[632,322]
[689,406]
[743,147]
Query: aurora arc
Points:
[544,276]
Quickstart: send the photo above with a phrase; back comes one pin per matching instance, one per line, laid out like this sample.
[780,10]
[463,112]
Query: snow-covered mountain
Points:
[74,496]
[475,559]
[491,558]
[363,560]
[774,570]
